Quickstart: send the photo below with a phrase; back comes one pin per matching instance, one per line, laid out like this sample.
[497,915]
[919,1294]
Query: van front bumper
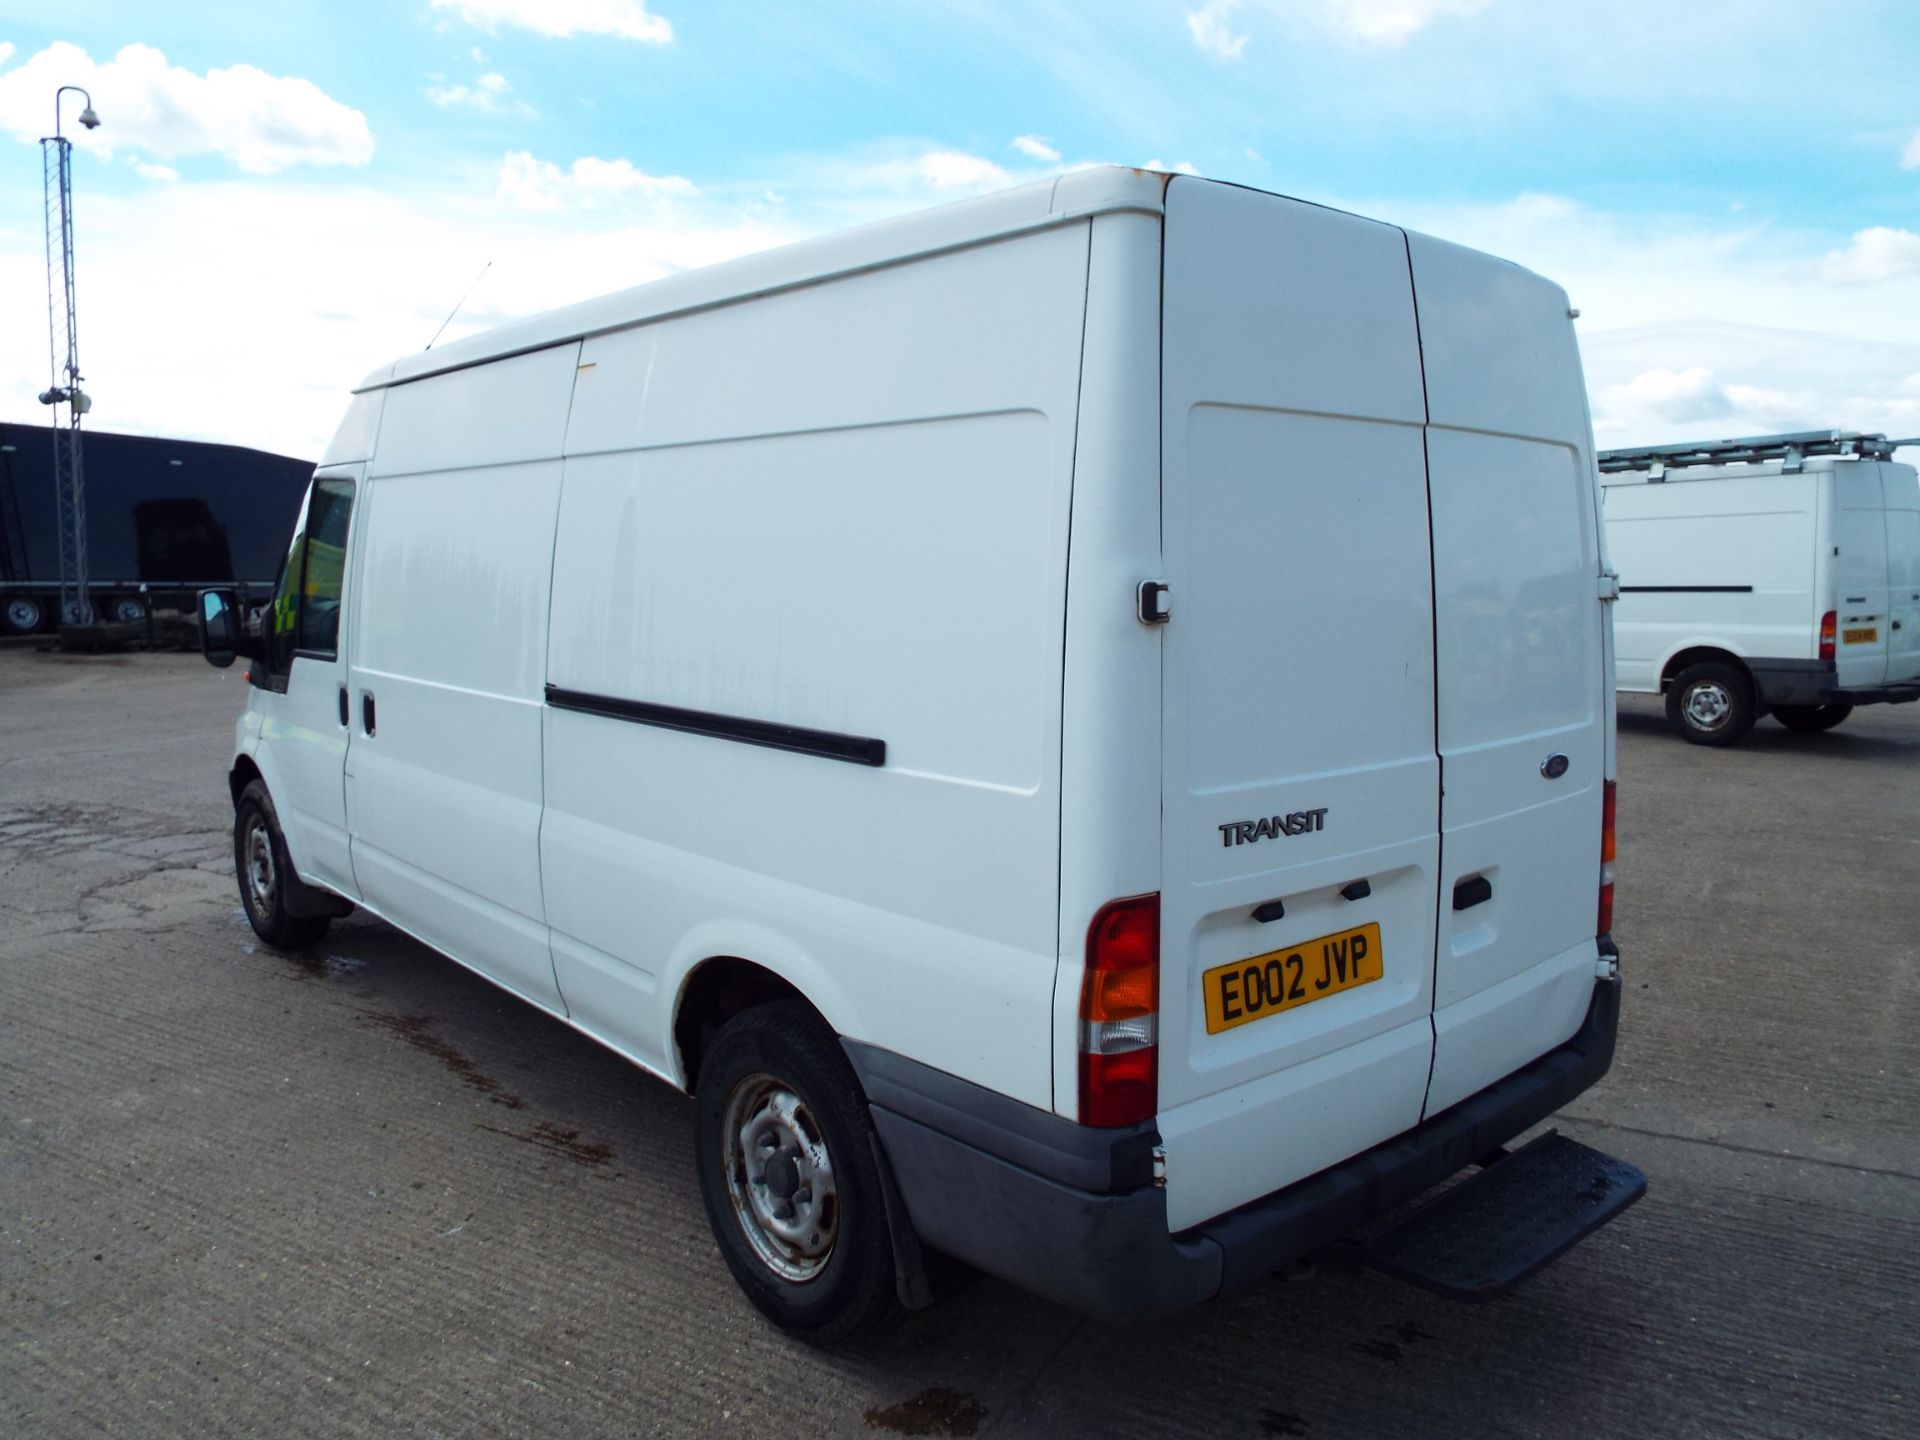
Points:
[1073,1214]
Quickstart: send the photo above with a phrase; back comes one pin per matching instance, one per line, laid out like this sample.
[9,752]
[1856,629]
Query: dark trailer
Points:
[172,515]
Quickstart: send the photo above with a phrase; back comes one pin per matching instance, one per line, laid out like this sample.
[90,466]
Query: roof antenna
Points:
[463,300]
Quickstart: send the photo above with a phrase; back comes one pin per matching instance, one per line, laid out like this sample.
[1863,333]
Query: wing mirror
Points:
[222,637]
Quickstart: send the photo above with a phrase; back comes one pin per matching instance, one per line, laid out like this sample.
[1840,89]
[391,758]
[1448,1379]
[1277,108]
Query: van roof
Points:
[1739,470]
[1098,190]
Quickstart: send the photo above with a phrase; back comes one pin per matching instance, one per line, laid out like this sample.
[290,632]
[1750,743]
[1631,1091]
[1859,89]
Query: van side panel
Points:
[444,797]
[1298,681]
[842,508]
[1110,761]
[1702,561]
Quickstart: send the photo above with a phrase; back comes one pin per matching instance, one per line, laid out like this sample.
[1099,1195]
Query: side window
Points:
[276,626]
[317,622]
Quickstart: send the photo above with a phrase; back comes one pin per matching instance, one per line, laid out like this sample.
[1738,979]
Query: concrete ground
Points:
[363,1193]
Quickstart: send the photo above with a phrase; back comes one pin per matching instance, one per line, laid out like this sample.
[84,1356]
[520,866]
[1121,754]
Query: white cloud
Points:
[1211,31]
[1875,255]
[1034,148]
[624,19]
[316,284]
[1378,22]
[164,173]
[955,170]
[1678,395]
[1388,22]
[1909,155]
[589,183]
[260,122]
[489,93]
[1185,167]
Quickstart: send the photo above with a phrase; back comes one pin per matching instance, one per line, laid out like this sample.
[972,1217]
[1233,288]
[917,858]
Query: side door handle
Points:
[343,707]
[366,711]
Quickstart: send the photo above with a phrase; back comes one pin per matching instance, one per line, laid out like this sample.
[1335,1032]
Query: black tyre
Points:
[1711,703]
[1811,717]
[22,615]
[785,1155]
[260,862]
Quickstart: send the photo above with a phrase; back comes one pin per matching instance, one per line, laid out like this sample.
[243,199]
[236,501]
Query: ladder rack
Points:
[1792,449]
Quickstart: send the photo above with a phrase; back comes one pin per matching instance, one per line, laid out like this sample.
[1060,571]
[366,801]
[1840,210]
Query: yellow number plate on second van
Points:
[1866,635]
[1286,979]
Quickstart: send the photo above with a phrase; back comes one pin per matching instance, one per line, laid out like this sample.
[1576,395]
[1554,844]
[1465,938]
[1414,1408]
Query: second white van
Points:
[1077,724]
[1778,574]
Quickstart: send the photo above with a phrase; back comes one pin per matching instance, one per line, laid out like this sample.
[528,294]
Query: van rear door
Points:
[1301,788]
[1520,630]
[1861,593]
[1903,574]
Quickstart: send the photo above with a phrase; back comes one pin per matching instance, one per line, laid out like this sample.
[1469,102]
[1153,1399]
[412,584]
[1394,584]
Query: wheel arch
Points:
[256,763]
[243,774]
[718,982]
[1700,654]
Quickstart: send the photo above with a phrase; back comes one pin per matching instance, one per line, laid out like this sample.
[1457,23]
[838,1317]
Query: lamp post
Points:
[69,481]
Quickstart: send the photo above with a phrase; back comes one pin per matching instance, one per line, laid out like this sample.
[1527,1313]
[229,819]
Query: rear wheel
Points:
[1811,717]
[23,615]
[260,859]
[1711,703]
[127,610]
[785,1155]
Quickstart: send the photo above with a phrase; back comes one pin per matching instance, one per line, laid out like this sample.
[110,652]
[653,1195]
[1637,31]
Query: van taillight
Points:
[1605,924]
[1119,1014]
[1828,631]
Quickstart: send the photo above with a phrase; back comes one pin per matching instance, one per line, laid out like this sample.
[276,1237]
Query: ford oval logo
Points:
[1554,766]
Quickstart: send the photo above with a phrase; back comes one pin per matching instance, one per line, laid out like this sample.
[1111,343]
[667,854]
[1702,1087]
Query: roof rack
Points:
[1791,449]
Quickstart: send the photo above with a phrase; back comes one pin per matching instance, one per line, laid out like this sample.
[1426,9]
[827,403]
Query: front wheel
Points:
[1711,704]
[785,1155]
[1811,717]
[260,860]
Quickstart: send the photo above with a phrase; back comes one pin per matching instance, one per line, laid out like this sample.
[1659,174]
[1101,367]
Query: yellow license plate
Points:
[1866,635]
[1285,979]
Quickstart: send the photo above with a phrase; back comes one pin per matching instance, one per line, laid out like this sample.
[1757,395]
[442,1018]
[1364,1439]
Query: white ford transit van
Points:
[1078,724]
[1779,573]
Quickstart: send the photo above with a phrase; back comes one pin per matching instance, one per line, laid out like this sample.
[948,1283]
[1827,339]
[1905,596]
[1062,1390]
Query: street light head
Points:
[89,119]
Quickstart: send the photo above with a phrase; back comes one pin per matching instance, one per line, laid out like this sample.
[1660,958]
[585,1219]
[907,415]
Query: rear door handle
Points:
[343,707]
[366,711]
[1471,892]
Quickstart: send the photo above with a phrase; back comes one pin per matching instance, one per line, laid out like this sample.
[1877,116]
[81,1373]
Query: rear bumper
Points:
[1072,1214]
[1814,682]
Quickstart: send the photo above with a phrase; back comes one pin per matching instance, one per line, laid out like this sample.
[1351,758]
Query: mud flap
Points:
[1492,1231]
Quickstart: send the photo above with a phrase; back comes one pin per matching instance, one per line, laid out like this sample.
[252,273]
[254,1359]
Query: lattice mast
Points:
[69,474]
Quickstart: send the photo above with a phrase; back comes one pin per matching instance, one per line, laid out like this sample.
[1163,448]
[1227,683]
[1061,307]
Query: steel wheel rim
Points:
[263,880]
[780,1178]
[23,614]
[127,611]
[1707,704]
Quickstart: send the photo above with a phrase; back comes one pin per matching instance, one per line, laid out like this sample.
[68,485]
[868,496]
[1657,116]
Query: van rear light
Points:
[1605,922]
[1119,1014]
[1829,629]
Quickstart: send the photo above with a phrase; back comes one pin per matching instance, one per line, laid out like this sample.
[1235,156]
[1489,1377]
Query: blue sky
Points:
[284,196]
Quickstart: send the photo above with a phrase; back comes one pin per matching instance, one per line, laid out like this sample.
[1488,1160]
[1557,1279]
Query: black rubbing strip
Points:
[1686,589]
[854,749]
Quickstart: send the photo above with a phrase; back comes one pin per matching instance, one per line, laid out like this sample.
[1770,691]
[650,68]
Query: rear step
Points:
[1494,1230]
